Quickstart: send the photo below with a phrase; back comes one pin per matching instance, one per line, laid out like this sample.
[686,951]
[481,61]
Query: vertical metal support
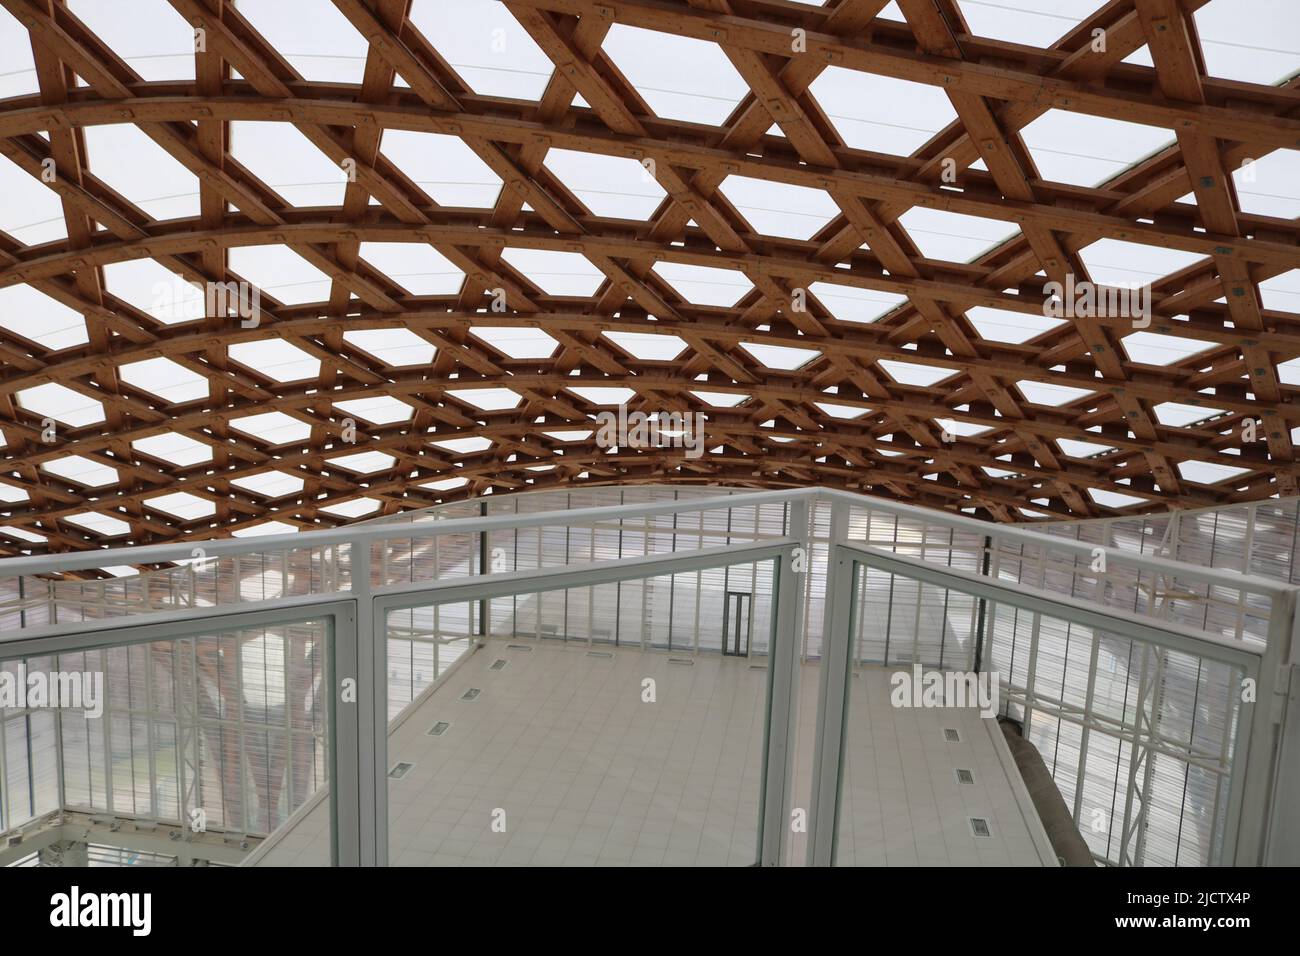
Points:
[483,565]
[372,715]
[783,689]
[833,710]
[982,609]
[1283,837]
[1264,718]
[348,781]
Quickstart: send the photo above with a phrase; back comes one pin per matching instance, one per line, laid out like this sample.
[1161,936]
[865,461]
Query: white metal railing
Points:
[445,552]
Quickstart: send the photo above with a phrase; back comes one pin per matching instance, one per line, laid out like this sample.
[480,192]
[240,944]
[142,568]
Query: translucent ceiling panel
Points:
[700,87]
[778,209]
[19,75]
[281,273]
[1253,40]
[446,169]
[150,35]
[314,36]
[954,237]
[607,185]
[418,268]
[154,180]
[34,315]
[1084,150]
[879,113]
[1038,24]
[486,46]
[32,211]
[283,158]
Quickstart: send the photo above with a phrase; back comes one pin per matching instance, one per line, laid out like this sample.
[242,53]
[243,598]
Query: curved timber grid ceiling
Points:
[472,226]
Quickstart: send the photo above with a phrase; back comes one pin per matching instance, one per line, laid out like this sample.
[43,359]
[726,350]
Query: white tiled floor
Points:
[589,774]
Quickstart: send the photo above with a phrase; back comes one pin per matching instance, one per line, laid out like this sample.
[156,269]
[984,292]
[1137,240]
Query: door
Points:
[736,624]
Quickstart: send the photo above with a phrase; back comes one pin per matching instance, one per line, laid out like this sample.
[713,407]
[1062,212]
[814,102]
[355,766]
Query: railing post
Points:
[783,687]
[834,692]
[1265,750]
[372,714]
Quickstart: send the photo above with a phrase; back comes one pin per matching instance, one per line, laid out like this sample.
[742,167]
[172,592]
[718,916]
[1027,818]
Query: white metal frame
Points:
[361,651]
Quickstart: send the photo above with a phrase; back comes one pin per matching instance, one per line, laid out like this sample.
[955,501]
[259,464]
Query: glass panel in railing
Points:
[185,751]
[613,724]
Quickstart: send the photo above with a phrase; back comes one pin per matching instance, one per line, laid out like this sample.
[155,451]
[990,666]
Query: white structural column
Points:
[782,687]
[833,692]
[372,712]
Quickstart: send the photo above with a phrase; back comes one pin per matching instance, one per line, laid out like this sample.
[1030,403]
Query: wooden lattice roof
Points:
[468,260]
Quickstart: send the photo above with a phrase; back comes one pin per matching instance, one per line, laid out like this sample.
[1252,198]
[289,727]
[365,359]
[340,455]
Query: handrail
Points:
[367,533]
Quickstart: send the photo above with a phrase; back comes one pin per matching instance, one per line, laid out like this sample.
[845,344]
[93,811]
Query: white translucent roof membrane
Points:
[18,75]
[1116,262]
[154,290]
[1088,150]
[609,186]
[396,347]
[488,399]
[272,484]
[1002,325]
[175,449]
[265,528]
[1046,393]
[1037,23]
[379,411]
[1282,292]
[32,212]
[183,505]
[1253,40]
[1269,185]
[680,77]
[150,35]
[780,356]
[152,179]
[704,285]
[915,373]
[283,158]
[62,404]
[517,343]
[46,321]
[851,304]
[1178,415]
[556,273]
[486,46]
[166,379]
[81,470]
[276,359]
[274,428]
[316,39]
[879,113]
[446,169]
[1152,348]
[280,272]
[779,209]
[646,346]
[418,268]
[952,236]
